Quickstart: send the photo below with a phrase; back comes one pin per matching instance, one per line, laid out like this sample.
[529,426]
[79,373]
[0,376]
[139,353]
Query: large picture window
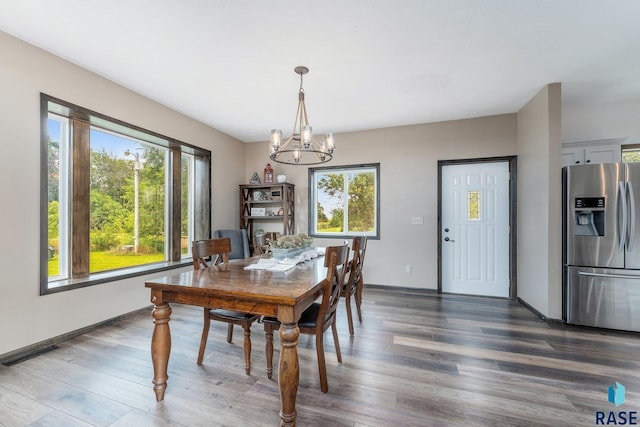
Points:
[344,201]
[118,200]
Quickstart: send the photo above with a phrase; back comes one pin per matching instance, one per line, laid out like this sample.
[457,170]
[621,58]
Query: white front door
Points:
[475,229]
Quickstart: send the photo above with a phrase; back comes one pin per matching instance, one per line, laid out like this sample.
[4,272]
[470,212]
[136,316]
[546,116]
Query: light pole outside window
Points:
[137,166]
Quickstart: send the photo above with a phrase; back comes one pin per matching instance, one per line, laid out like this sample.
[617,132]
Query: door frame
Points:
[513,215]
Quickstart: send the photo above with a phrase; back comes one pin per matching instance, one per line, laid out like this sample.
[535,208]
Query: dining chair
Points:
[261,242]
[239,242]
[217,250]
[239,250]
[354,281]
[316,319]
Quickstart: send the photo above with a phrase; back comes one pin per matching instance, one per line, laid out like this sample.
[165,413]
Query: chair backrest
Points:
[272,236]
[336,259]
[359,247]
[217,250]
[261,241]
[363,248]
[239,242]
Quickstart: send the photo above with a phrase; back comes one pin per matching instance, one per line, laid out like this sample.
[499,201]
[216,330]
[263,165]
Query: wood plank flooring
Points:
[419,359]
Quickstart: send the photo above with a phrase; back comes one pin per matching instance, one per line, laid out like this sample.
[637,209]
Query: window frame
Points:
[79,165]
[63,194]
[312,217]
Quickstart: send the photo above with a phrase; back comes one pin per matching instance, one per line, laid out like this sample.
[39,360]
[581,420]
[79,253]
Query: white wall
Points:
[408,157]
[25,71]
[601,121]
[539,203]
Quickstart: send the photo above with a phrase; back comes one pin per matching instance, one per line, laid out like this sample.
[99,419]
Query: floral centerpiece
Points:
[290,246]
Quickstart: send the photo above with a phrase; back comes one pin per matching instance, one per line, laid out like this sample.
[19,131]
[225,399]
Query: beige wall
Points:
[539,203]
[25,71]
[408,157]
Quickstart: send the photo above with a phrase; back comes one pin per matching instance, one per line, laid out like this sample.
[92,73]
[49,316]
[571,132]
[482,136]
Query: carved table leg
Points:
[160,348]
[288,373]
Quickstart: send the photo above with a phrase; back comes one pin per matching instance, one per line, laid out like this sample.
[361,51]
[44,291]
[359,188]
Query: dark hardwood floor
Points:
[418,359]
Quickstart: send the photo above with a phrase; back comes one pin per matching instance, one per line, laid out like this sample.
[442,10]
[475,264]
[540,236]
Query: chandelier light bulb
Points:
[276,139]
[329,143]
[306,136]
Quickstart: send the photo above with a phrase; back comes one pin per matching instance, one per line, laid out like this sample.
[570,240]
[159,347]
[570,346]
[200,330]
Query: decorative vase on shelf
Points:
[282,178]
[255,179]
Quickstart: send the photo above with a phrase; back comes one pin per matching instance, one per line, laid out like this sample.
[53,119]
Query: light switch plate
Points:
[417,220]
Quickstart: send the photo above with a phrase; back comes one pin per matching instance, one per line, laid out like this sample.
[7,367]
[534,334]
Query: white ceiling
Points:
[374,63]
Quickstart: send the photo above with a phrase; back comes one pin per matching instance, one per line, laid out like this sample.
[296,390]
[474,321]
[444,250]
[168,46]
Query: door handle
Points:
[632,219]
[612,276]
[622,224]
[446,239]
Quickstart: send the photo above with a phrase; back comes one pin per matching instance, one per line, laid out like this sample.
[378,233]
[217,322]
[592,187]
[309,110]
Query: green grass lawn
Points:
[330,230]
[103,261]
[324,227]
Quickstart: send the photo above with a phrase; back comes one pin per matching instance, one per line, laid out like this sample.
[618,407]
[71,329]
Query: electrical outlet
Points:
[407,269]
[417,220]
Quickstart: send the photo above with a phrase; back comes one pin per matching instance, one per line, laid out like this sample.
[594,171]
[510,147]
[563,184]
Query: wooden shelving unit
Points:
[271,198]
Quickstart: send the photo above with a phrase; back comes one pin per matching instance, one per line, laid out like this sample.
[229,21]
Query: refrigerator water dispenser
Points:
[589,216]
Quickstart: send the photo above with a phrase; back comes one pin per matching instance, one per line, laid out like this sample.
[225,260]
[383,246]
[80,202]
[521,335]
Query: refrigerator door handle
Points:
[622,225]
[612,276]
[632,220]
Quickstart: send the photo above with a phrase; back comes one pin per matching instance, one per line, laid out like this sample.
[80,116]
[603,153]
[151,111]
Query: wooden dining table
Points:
[284,295]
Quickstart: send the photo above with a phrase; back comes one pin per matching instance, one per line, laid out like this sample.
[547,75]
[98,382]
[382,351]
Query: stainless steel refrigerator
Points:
[601,217]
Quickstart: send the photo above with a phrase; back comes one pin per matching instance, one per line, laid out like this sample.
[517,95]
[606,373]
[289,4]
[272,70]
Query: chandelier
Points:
[301,148]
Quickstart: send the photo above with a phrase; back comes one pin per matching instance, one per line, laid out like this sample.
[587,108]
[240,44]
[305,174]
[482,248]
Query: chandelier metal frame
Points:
[301,148]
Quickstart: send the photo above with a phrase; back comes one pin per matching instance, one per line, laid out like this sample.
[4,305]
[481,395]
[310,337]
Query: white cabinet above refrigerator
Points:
[584,153]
